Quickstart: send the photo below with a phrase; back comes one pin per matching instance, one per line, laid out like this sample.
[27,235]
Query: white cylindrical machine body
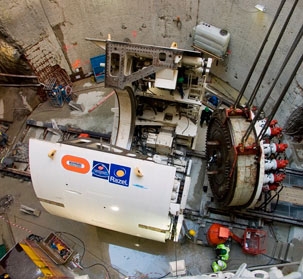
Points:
[105,189]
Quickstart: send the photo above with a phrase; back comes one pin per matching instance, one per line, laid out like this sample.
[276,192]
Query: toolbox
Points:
[56,249]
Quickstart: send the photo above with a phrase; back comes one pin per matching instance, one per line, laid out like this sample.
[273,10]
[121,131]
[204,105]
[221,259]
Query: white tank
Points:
[210,38]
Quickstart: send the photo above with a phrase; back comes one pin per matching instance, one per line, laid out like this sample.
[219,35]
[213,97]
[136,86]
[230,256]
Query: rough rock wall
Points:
[11,61]
[27,25]
[59,28]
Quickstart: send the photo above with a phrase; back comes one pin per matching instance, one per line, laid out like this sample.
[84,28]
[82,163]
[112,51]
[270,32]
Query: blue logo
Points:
[100,170]
[119,175]
[115,174]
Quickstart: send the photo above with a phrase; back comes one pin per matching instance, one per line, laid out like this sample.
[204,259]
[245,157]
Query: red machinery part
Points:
[273,123]
[270,187]
[279,177]
[281,164]
[273,131]
[83,135]
[270,148]
[272,178]
[275,164]
[253,241]
[217,234]
[281,147]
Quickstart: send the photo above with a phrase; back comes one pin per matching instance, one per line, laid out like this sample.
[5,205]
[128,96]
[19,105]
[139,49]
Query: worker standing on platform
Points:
[205,116]
[180,80]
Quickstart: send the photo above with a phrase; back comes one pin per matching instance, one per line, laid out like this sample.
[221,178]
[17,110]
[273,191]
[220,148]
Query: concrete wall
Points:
[61,26]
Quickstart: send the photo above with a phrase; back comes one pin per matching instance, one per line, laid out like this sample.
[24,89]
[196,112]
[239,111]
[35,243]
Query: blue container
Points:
[98,67]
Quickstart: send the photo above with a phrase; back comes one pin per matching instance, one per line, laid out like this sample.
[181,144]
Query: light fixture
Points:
[114,208]
[260,7]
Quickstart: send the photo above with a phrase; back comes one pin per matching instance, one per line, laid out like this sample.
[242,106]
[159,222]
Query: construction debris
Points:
[72,130]
[7,162]
[75,106]
[30,211]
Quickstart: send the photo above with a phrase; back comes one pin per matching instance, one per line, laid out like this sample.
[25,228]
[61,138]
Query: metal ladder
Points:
[283,251]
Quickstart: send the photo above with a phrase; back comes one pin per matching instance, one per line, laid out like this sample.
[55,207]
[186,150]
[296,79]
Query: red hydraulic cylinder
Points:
[270,148]
[281,164]
[273,123]
[273,131]
[275,164]
[270,187]
[272,178]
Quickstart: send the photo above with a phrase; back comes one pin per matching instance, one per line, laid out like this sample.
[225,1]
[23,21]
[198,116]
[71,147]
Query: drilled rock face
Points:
[11,61]
[294,125]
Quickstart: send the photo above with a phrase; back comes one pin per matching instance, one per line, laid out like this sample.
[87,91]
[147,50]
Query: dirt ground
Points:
[18,103]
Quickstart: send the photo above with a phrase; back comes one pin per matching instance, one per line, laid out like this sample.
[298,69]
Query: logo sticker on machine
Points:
[115,174]
[75,164]
[100,170]
[119,175]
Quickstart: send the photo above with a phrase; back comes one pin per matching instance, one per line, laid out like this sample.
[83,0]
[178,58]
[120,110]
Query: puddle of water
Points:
[133,263]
